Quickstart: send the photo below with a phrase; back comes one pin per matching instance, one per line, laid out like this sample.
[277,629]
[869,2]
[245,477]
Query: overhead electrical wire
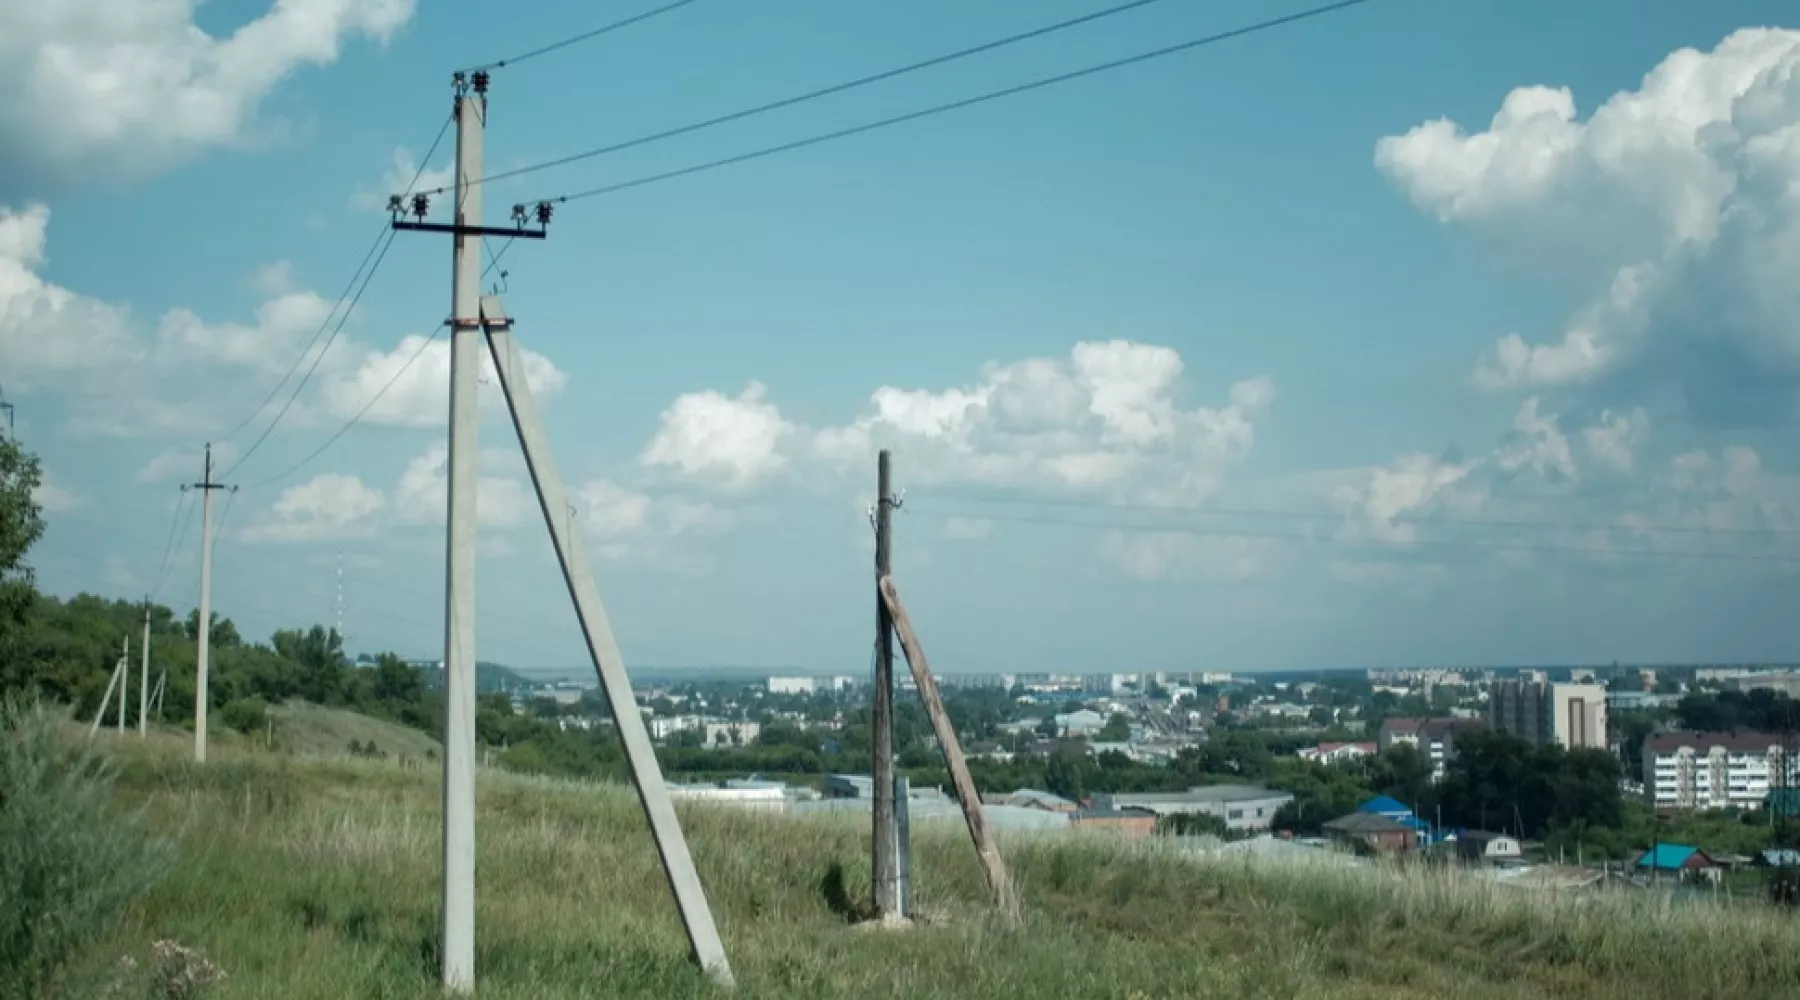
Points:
[320,356]
[352,422]
[1378,543]
[992,95]
[1263,512]
[175,522]
[810,95]
[375,244]
[582,37]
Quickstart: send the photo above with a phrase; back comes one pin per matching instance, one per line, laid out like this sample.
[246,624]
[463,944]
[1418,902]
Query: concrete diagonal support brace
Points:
[646,774]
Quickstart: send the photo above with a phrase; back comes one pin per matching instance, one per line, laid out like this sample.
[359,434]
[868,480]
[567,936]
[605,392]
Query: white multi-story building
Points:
[1690,770]
[793,685]
[1573,715]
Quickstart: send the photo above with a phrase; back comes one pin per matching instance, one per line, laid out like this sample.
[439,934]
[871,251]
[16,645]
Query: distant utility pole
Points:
[144,677]
[112,685]
[339,627]
[884,836]
[203,640]
[124,680]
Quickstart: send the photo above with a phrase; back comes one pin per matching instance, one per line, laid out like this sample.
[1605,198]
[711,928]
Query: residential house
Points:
[1682,860]
[1698,770]
[1242,807]
[1031,798]
[1484,847]
[1372,832]
[1132,821]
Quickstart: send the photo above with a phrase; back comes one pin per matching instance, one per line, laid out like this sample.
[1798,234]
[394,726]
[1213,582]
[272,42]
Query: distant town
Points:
[1137,734]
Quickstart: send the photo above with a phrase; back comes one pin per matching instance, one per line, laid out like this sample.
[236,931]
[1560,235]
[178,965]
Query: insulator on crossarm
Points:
[518,216]
[396,204]
[421,204]
[543,213]
[481,81]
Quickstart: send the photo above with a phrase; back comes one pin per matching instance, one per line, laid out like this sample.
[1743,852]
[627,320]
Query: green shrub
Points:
[70,860]
[246,715]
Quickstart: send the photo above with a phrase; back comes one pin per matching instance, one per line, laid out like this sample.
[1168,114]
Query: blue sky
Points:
[1275,371]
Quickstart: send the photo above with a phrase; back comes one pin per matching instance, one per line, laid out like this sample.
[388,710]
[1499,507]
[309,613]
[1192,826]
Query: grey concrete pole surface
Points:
[458,941]
[885,873]
[665,827]
[124,681]
[106,699]
[203,641]
[144,677]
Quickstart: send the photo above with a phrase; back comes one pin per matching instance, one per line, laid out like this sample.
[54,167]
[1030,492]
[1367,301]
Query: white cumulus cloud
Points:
[107,89]
[1675,199]
[329,506]
[1107,416]
[419,394]
[732,440]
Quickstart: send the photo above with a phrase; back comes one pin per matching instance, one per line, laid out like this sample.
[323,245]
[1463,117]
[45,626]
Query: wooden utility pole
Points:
[886,873]
[991,864]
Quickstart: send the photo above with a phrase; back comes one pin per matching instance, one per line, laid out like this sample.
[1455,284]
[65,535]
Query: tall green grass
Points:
[71,860]
[317,878]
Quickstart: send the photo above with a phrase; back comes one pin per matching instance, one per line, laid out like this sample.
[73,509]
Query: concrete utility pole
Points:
[124,680]
[203,641]
[690,897]
[144,678]
[457,946]
[459,604]
[112,684]
[886,874]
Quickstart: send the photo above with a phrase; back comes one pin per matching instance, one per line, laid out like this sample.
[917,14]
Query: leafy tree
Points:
[1116,730]
[21,525]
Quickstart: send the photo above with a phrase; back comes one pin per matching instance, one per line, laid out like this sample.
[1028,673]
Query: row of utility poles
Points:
[148,699]
[475,317]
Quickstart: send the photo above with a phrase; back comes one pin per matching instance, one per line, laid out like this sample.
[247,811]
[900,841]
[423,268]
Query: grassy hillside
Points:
[312,729]
[316,879]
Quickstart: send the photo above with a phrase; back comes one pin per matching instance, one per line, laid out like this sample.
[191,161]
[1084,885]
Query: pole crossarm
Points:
[603,647]
[446,227]
[991,863]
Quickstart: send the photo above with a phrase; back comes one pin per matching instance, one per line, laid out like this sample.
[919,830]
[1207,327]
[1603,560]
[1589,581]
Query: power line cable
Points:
[582,37]
[810,95]
[1265,512]
[424,162]
[1380,543]
[352,422]
[320,356]
[175,522]
[966,102]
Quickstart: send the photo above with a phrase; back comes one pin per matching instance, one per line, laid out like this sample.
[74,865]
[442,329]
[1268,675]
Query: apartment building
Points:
[1436,738]
[1573,715]
[1693,770]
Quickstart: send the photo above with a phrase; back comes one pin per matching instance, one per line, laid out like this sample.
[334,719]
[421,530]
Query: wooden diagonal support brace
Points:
[991,863]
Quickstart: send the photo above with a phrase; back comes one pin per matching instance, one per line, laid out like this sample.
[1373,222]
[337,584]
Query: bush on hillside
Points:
[246,715]
[70,860]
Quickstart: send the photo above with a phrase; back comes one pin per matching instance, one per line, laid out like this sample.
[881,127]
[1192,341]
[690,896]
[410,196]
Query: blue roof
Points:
[1384,804]
[1667,857]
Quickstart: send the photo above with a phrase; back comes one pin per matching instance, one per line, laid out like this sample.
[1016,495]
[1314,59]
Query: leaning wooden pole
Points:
[991,864]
